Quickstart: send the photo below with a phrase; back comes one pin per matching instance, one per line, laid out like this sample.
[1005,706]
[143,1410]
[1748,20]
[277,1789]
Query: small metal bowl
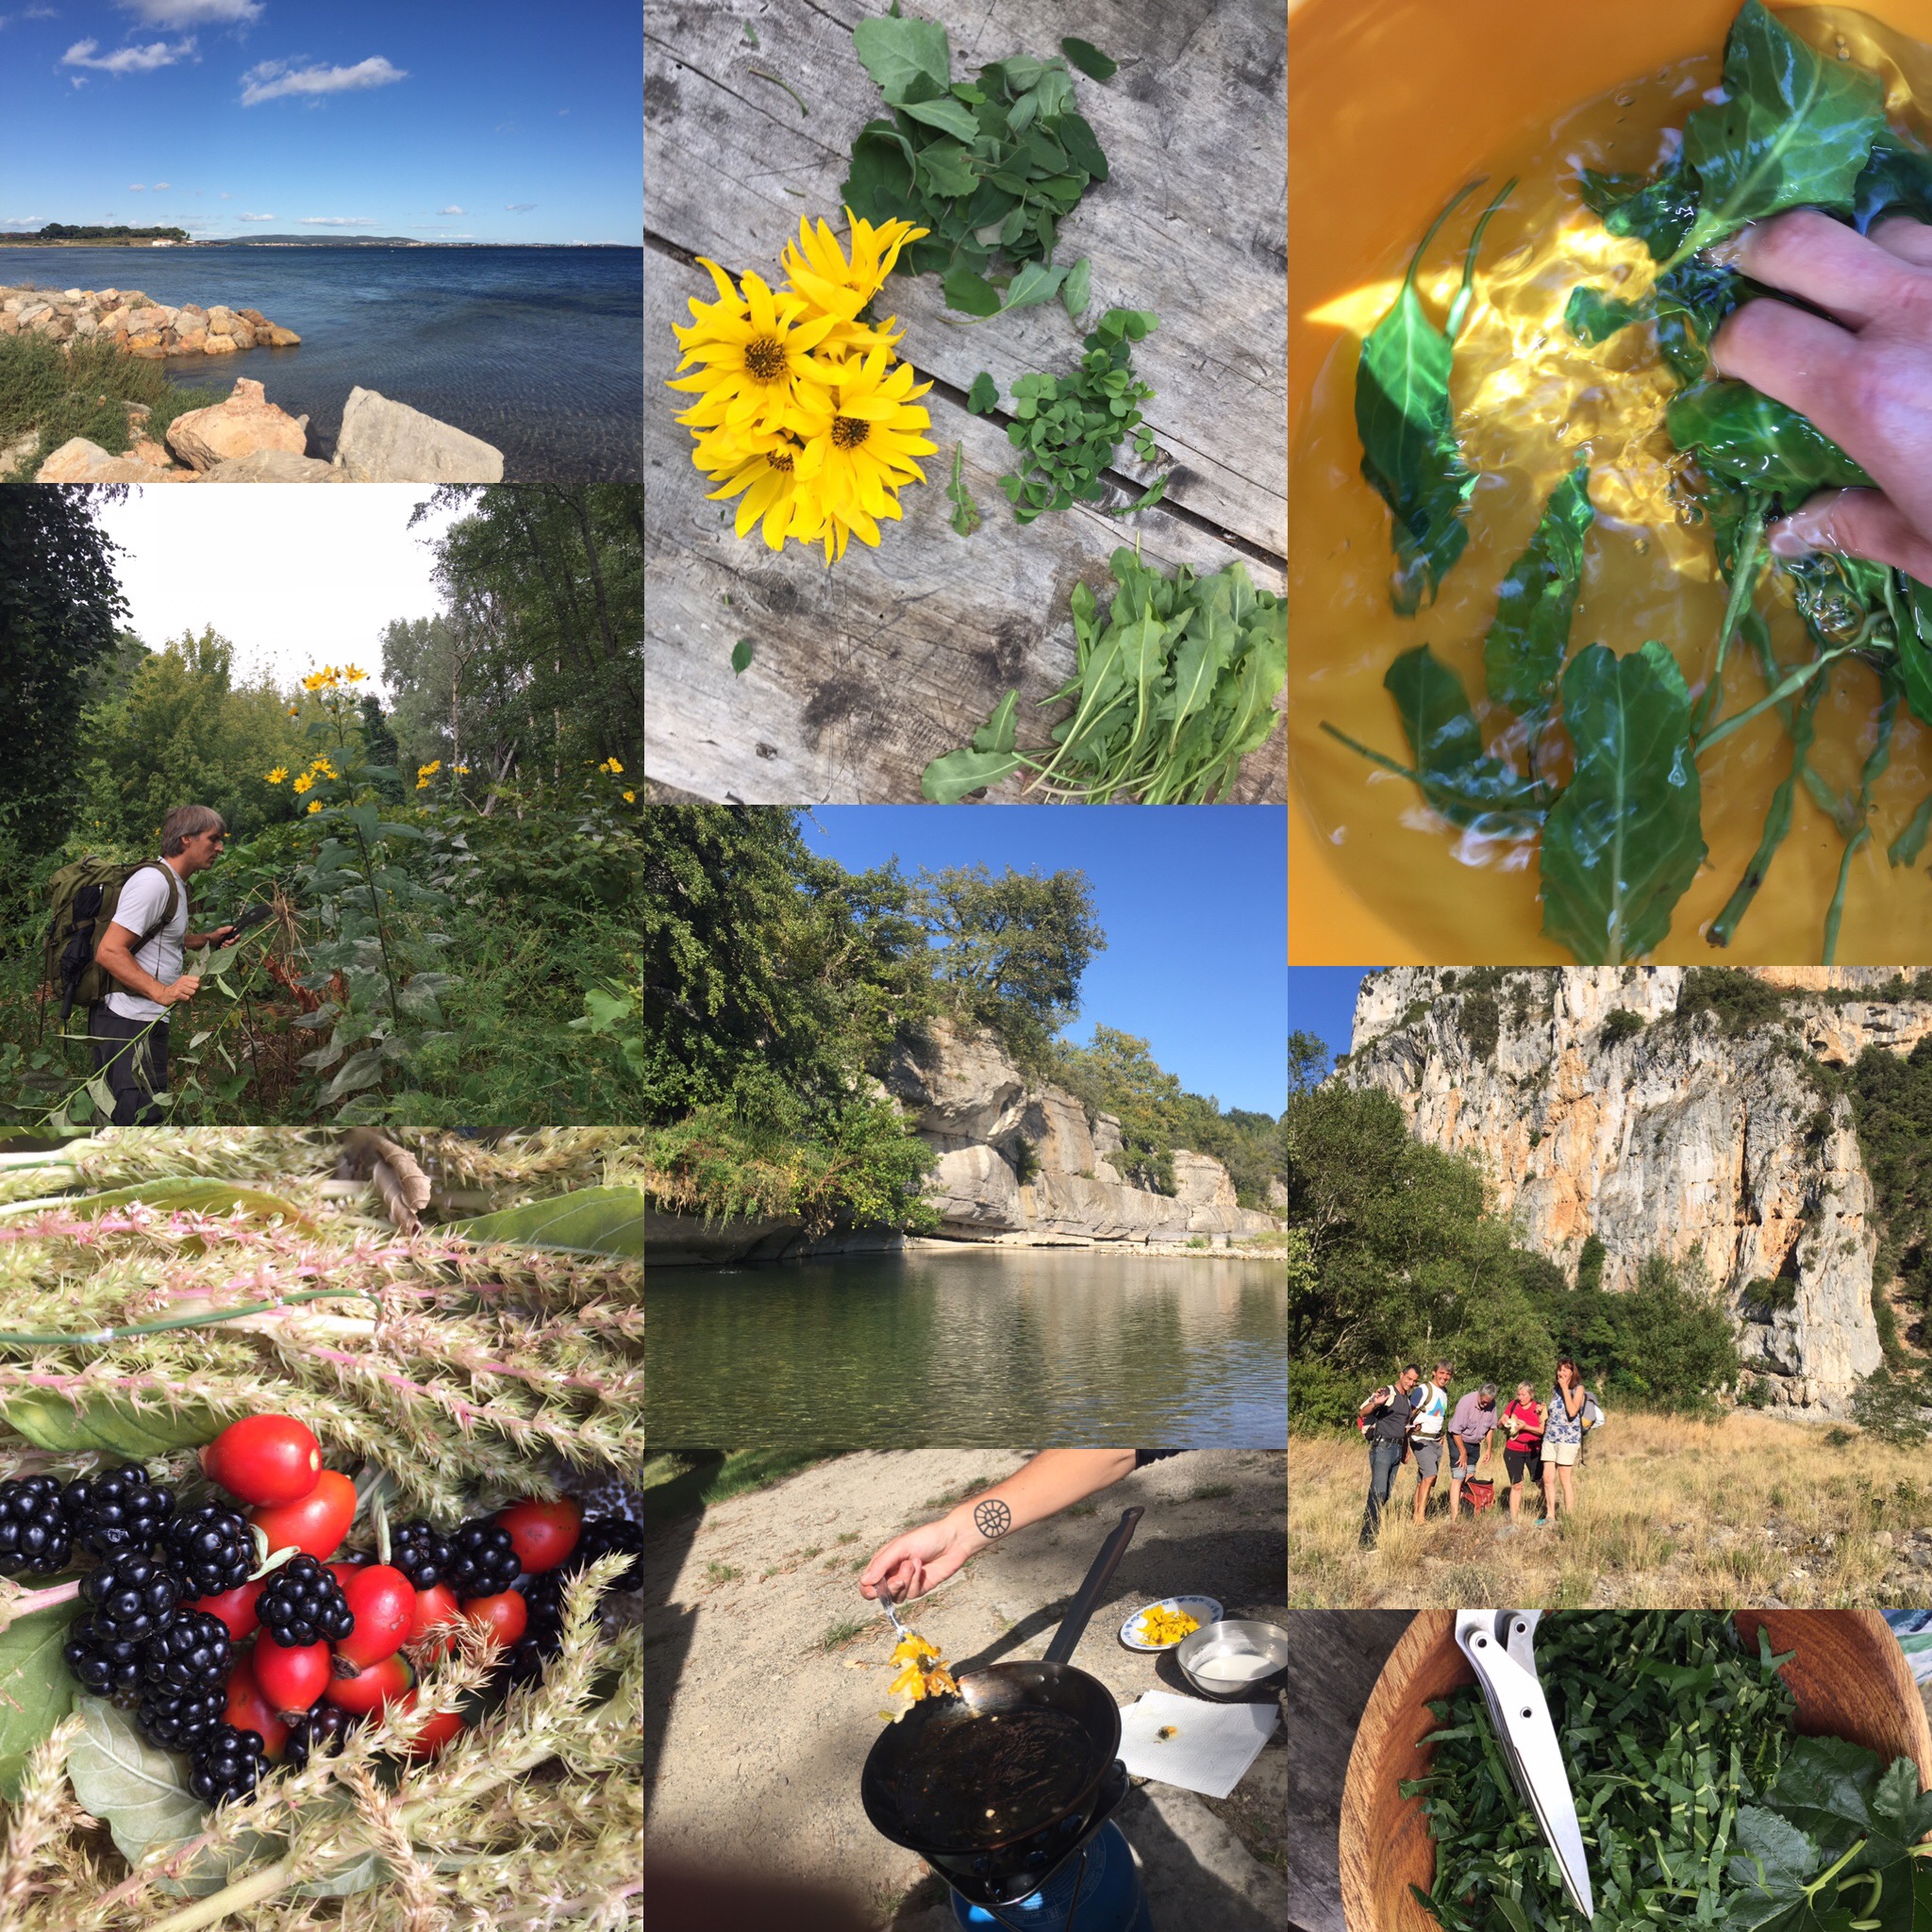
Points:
[1235,1640]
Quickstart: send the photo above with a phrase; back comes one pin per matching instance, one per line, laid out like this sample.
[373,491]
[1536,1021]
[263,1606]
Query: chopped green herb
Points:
[965,511]
[763,74]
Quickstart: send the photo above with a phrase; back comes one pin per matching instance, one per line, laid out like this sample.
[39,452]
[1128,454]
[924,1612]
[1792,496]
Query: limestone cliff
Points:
[1671,1137]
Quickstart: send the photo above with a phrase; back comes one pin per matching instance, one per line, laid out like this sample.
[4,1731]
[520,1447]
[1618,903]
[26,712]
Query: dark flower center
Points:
[779,459]
[848,432]
[764,356]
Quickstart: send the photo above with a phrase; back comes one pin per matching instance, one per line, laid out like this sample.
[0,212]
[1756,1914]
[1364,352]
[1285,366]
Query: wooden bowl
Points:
[1849,1677]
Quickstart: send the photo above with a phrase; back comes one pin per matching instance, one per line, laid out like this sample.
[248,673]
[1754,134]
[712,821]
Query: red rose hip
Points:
[383,1602]
[265,1459]
[378,1684]
[544,1533]
[506,1615]
[290,1678]
[317,1523]
[235,1607]
[249,1710]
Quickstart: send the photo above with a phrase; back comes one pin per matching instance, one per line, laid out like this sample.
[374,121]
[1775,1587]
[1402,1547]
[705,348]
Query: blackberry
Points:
[301,1603]
[226,1764]
[421,1552]
[34,1530]
[193,1653]
[178,1719]
[211,1547]
[322,1729]
[598,1537]
[522,1662]
[109,1667]
[132,1596]
[121,1510]
[482,1559]
[543,1597]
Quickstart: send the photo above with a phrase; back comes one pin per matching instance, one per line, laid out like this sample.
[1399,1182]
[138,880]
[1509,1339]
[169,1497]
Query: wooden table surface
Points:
[862,673]
[1332,1667]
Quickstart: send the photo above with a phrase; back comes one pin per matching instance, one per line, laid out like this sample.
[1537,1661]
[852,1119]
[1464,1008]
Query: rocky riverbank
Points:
[134,322]
[247,438]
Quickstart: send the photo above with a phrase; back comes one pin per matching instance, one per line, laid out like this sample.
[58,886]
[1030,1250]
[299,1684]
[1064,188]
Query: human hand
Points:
[222,935]
[183,988]
[919,1560]
[1864,375]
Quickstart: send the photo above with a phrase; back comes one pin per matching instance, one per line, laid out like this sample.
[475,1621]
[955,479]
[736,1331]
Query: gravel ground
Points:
[770,1669]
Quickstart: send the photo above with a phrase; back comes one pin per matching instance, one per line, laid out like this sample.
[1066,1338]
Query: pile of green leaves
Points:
[989,167]
[1622,841]
[1174,685]
[1070,425]
[1699,1803]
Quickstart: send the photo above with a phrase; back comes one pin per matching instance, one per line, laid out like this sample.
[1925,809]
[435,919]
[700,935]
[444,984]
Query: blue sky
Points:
[1193,899]
[1321,1000]
[489,120]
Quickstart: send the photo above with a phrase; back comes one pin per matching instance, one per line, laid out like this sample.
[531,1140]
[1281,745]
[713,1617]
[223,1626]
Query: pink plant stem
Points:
[32,1600]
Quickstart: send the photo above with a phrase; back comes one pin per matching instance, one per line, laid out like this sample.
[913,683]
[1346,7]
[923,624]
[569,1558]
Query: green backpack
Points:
[82,898]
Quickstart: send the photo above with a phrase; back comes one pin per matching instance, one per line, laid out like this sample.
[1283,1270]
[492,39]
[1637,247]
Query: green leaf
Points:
[879,186]
[955,118]
[1591,316]
[1743,436]
[1773,1863]
[1657,210]
[1034,285]
[52,1422]
[946,167]
[1073,290]
[1797,130]
[972,292]
[1897,181]
[899,54]
[1623,842]
[1915,648]
[1689,302]
[741,657]
[984,395]
[1522,655]
[950,778]
[35,1691]
[1906,848]
[1402,413]
[363,1068]
[1457,778]
[965,517]
[194,1196]
[1090,59]
[1082,146]
[592,1221]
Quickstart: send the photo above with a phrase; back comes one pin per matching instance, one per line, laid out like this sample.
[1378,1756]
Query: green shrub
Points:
[1756,1393]
[1893,1405]
[1621,1023]
[1321,1396]
[83,392]
[1767,1297]
[1741,1001]
[1481,1023]
[1590,1266]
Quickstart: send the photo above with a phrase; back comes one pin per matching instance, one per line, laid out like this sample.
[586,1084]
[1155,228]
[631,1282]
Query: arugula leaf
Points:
[1457,777]
[1090,59]
[1522,653]
[1403,415]
[1622,843]
[1741,435]
[1796,131]
[947,780]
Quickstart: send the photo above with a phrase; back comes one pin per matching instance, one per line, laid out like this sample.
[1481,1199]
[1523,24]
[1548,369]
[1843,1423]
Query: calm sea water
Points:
[1004,1347]
[539,351]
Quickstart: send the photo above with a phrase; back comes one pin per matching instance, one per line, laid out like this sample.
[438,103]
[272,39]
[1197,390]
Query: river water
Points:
[999,1347]
[539,351]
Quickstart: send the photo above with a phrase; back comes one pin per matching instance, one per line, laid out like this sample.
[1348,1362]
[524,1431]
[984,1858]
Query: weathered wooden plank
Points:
[1191,223]
[862,674]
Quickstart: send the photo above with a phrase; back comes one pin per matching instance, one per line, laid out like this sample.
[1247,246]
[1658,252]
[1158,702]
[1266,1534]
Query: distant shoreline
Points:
[334,241]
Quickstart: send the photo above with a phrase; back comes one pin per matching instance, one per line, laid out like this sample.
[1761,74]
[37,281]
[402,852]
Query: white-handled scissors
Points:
[1499,1646]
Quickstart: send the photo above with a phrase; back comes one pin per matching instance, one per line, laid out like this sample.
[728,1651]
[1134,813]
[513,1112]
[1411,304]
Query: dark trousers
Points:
[135,1074]
[1385,1459]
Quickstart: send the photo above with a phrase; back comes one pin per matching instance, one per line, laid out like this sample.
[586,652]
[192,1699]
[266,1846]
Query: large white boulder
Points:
[382,441]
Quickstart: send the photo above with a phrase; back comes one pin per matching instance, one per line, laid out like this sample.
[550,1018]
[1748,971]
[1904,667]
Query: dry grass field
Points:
[1704,1515]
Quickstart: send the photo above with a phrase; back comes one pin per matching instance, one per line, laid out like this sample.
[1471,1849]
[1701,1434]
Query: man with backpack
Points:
[1383,1418]
[138,940]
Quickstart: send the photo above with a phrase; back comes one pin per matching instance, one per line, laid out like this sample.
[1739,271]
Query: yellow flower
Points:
[315,805]
[353,675]
[323,766]
[757,355]
[860,446]
[611,766]
[295,710]
[304,781]
[768,480]
[276,777]
[462,768]
[821,272]
[630,798]
[422,784]
[325,679]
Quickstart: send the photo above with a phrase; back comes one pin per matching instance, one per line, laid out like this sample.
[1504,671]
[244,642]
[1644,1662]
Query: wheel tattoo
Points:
[991,1517]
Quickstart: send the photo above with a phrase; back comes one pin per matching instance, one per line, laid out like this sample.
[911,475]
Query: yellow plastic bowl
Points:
[1390,103]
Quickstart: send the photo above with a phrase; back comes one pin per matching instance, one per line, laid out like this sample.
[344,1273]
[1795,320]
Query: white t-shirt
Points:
[142,901]
[1432,1409]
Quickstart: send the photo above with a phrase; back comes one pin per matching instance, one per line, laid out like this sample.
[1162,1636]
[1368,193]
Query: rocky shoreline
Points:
[138,323]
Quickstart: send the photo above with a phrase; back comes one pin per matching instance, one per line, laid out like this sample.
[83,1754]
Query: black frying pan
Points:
[996,1786]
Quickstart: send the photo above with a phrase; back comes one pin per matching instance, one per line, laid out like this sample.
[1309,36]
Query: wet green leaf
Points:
[1622,843]
[1897,181]
[1458,777]
[1656,209]
[594,1221]
[1591,316]
[1740,435]
[1796,131]
[35,1691]
[1522,655]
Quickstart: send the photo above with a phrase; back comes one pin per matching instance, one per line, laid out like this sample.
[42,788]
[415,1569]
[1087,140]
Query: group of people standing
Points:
[1411,1420]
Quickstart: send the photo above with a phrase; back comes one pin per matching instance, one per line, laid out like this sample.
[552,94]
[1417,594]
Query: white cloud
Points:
[136,186]
[162,187]
[562,111]
[194,12]
[519,207]
[42,13]
[257,218]
[270,79]
[127,59]
[339,221]
[452,209]
[225,196]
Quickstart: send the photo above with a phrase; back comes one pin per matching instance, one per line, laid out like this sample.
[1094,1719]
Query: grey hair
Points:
[188,822]
[1488,1388]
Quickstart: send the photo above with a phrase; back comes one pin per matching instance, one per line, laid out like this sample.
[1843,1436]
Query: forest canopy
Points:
[453,877]
[776,983]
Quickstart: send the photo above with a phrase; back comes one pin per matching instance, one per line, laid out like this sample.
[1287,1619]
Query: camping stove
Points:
[1096,1889]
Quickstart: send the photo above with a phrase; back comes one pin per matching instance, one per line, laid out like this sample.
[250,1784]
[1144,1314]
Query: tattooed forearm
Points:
[991,1517]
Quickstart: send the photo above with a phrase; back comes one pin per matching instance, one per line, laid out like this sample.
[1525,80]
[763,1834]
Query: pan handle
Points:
[1073,1627]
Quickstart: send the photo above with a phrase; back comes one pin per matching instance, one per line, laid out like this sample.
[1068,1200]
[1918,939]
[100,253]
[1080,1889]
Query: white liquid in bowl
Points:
[1231,1666]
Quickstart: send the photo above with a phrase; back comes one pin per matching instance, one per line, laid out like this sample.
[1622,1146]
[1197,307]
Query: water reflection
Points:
[983,1346]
